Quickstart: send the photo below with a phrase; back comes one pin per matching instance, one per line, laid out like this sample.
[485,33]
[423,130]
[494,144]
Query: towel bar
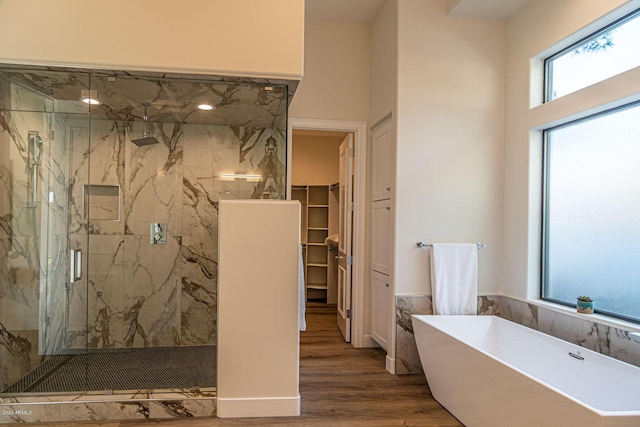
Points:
[428,245]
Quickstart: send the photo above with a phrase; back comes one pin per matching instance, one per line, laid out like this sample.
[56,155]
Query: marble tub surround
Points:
[519,312]
[407,358]
[605,339]
[577,329]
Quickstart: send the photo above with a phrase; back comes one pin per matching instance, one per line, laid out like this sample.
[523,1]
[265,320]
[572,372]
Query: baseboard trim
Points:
[258,407]
[368,342]
[391,365]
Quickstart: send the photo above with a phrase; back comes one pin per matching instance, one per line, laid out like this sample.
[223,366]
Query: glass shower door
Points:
[63,334]
[42,313]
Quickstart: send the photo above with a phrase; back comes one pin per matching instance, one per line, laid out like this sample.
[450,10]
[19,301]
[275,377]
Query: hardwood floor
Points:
[339,386]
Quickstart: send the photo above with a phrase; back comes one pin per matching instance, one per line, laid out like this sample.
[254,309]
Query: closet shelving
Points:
[314,200]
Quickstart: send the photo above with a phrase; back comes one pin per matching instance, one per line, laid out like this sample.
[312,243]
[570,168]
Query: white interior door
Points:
[344,240]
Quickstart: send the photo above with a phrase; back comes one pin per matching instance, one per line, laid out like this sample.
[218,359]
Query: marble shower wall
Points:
[578,330]
[163,295]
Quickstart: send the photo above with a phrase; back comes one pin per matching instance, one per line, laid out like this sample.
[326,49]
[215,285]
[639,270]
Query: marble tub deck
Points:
[97,407]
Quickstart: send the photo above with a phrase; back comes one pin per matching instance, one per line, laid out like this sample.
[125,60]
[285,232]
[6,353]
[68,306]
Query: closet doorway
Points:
[327,177]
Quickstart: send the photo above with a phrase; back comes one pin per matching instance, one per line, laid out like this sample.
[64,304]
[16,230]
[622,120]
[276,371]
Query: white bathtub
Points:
[488,371]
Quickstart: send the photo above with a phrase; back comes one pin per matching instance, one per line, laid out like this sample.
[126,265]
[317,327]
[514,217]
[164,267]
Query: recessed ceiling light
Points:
[90,101]
[268,88]
[205,107]
[89,97]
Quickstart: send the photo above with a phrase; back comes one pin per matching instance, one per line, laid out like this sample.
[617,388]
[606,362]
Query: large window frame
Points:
[544,259]
[594,103]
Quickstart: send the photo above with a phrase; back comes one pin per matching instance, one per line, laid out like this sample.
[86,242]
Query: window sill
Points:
[596,318]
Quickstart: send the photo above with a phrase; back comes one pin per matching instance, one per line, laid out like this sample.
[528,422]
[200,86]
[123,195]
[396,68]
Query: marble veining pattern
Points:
[584,333]
[140,405]
[608,340]
[407,358]
[623,348]
[258,103]
[488,305]
[519,312]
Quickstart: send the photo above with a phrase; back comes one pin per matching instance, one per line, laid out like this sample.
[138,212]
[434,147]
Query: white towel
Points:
[302,323]
[454,278]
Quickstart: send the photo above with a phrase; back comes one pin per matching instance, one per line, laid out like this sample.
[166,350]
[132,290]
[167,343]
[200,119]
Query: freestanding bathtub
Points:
[490,372]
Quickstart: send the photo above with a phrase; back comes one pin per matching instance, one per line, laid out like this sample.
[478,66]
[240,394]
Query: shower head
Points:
[145,140]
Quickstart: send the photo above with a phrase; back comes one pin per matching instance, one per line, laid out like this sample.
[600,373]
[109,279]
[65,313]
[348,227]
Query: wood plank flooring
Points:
[339,386]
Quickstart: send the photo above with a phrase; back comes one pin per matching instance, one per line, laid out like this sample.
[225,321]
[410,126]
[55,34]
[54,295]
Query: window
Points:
[610,51]
[591,219]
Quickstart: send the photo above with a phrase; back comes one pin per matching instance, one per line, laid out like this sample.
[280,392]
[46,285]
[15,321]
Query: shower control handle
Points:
[157,233]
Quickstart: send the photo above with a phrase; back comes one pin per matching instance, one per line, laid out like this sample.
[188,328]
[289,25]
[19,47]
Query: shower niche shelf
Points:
[101,202]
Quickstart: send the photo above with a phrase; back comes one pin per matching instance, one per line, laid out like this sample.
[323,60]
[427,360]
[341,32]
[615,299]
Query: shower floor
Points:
[148,368]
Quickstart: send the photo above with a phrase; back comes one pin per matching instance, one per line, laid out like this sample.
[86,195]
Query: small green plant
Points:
[584,298]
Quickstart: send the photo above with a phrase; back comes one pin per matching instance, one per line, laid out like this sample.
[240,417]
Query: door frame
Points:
[359,130]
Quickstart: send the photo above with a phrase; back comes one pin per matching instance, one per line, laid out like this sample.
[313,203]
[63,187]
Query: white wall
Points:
[315,160]
[450,130]
[336,77]
[384,62]
[253,38]
[541,28]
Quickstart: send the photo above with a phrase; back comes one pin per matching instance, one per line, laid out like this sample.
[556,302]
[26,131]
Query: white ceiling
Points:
[363,11]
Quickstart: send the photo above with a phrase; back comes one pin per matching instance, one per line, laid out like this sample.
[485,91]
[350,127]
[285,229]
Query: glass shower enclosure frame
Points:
[108,249]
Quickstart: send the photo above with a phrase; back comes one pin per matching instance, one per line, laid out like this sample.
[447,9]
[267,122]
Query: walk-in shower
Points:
[129,314]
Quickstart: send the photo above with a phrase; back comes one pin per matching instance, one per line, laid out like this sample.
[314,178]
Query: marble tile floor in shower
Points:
[149,368]
[339,386]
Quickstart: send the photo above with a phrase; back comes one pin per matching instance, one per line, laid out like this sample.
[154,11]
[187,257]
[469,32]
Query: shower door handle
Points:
[75,265]
[34,184]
